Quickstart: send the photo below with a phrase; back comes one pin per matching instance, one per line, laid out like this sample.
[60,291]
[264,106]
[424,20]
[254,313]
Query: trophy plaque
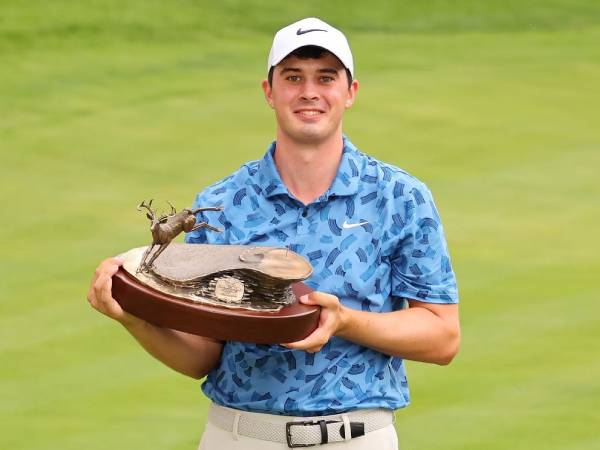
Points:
[225,292]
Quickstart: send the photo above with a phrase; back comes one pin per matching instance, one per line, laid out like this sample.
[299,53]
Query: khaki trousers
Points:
[215,438]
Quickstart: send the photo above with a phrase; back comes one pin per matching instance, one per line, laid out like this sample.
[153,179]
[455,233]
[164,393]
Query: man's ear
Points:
[352,91]
[268,91]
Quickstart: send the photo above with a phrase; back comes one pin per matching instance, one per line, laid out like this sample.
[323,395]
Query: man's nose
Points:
[309,91]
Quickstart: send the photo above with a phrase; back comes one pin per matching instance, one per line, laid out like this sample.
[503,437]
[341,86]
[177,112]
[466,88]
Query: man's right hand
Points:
[100,292]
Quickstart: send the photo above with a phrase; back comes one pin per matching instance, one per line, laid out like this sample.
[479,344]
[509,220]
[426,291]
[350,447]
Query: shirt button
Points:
[304,213]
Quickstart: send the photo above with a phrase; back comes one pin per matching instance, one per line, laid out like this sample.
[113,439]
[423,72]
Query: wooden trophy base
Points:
[291,323]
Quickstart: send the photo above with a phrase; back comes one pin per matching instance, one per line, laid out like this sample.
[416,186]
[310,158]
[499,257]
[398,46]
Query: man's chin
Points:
[310,135]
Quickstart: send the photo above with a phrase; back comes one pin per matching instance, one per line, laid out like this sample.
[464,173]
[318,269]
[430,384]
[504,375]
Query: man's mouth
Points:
[309,112]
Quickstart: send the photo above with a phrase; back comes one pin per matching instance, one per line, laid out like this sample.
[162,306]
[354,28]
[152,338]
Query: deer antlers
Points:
[151,214]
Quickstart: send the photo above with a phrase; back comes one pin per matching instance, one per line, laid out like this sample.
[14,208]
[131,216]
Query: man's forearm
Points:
[188,354]
[416,333]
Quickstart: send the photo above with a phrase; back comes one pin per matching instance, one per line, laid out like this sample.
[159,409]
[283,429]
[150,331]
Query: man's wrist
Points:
[131,322]
[345,322]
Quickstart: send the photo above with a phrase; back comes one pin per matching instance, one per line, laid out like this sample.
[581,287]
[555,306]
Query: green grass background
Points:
[493,103]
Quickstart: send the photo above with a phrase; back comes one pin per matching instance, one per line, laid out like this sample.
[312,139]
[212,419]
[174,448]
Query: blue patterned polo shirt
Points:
[373,239]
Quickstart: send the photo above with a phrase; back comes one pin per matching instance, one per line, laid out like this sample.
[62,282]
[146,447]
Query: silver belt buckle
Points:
[321,423]
[356,429]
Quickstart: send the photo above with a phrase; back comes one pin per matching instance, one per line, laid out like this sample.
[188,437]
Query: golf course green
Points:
[494,104]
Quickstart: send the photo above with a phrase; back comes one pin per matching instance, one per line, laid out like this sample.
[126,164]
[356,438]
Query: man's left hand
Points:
[331,321]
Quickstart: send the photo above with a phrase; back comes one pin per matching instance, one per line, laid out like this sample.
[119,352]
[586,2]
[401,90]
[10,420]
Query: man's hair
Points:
[310,52]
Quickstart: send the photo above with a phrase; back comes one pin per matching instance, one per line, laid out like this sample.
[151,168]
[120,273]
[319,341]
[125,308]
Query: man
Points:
[375,241]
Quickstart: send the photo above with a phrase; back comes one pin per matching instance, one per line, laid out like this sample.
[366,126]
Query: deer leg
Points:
[143,267]
[205,225]
[208,208]
[157,253]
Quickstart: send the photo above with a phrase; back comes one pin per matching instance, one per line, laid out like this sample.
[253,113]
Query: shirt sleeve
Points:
[421,267]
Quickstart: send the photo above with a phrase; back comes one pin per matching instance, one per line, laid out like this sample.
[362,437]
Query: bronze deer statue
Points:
[165,228]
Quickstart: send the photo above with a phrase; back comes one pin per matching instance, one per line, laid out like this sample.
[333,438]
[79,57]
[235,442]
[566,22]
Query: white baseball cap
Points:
[310,31]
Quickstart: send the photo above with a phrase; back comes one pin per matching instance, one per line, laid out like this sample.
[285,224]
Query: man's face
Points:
[309,97]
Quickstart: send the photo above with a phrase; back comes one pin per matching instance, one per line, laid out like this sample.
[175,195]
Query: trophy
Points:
[226,292]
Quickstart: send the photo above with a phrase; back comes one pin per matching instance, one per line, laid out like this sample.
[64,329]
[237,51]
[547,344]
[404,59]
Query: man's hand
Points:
[331,321]
[100,292]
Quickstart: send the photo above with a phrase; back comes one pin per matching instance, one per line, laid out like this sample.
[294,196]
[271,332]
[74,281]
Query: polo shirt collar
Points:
[346,181]
[269,176]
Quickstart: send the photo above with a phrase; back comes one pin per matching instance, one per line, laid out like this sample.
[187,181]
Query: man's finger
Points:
[107,289]
[317,338]
[100,288]
[111,266]
[314,349]
[319,298]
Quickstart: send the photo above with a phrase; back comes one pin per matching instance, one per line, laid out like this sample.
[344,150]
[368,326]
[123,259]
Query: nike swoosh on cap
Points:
[353,225]
[301,31]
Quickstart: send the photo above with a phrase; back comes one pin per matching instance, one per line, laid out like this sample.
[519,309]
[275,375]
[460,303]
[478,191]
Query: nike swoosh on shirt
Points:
[353,225]
[301,31]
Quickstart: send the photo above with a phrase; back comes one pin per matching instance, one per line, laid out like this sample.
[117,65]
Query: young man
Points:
[375,241]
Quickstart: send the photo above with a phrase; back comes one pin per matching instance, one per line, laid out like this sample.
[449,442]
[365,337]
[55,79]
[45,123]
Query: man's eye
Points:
[327,79]
[293,78]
